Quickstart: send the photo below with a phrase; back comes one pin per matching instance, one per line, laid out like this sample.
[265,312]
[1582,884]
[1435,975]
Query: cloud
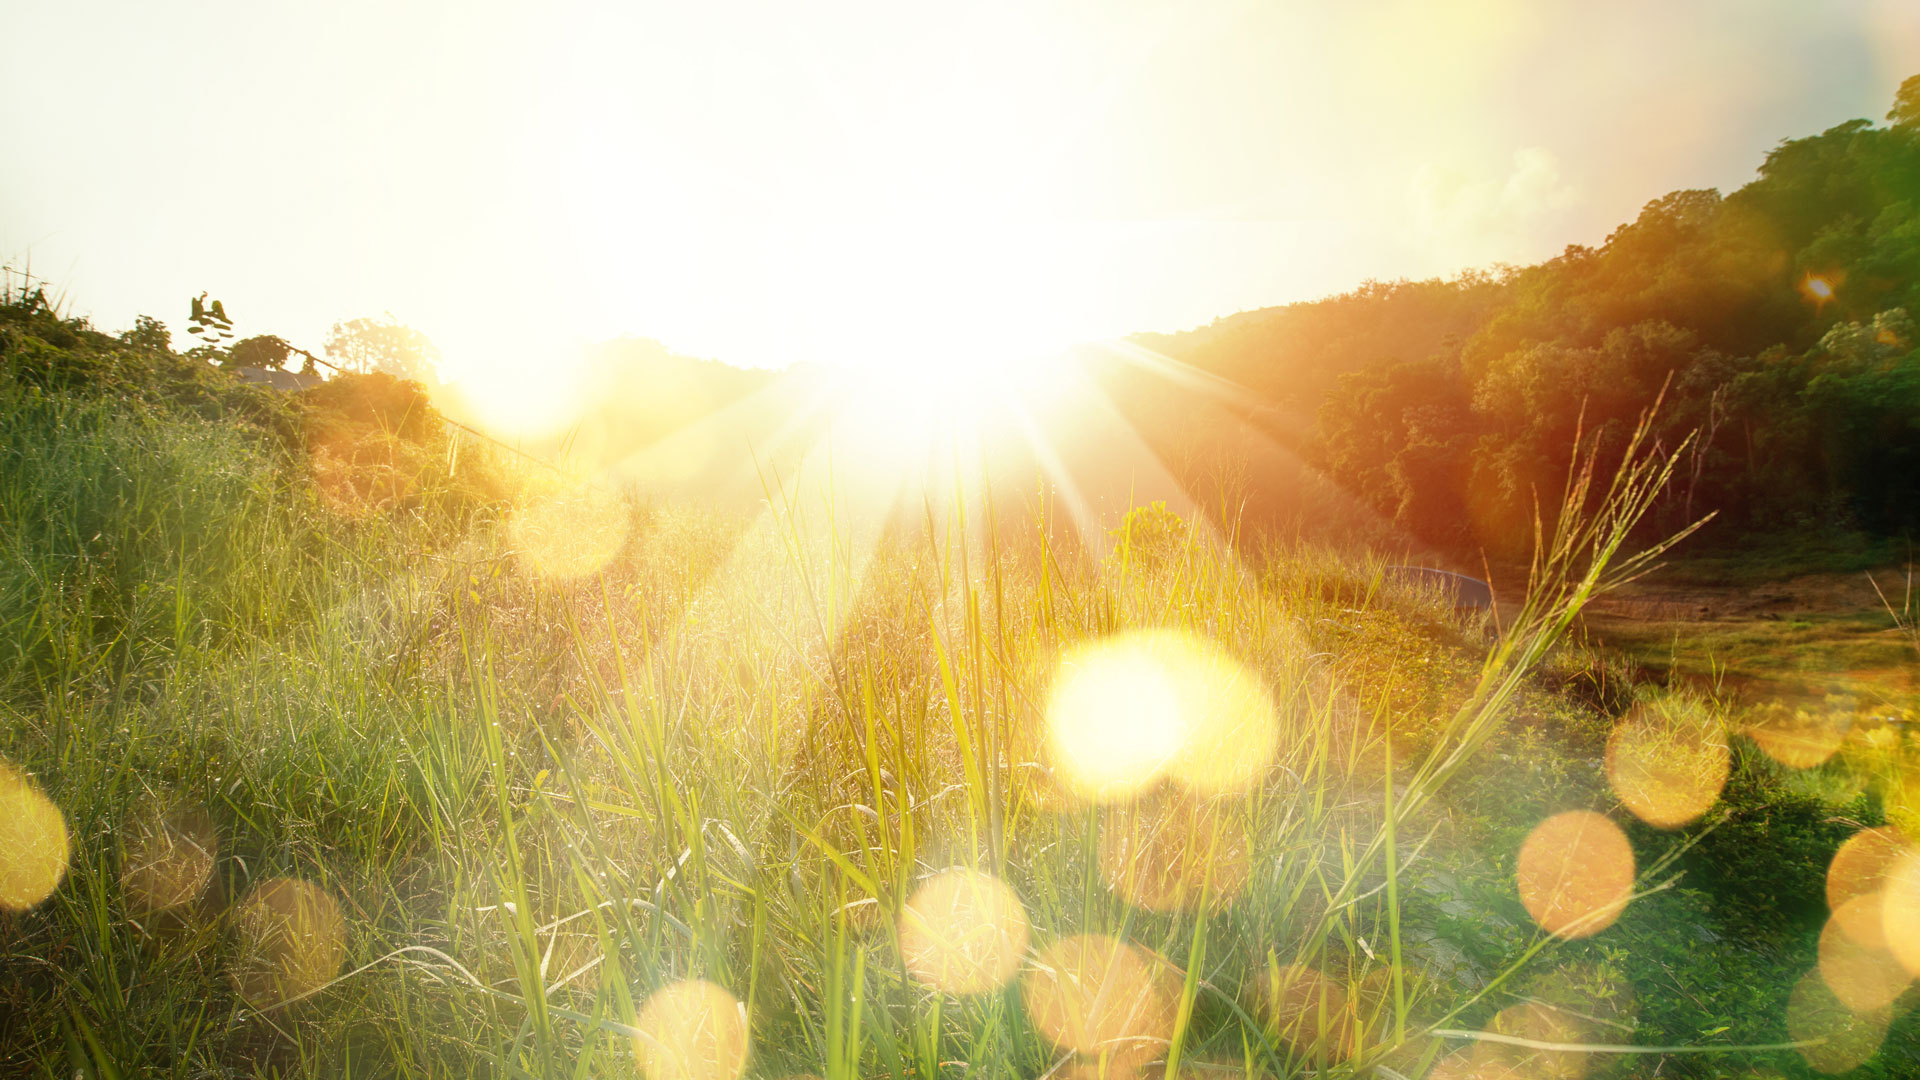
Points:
[1465,218]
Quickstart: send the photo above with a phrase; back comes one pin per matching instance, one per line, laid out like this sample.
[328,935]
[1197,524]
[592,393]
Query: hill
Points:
[1778,320]
[329,746]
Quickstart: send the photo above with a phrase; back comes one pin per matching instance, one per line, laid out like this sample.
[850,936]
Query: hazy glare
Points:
[877,183]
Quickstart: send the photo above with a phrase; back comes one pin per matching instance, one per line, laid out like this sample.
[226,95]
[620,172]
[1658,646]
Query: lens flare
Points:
[1130,709]
[1096,996]
[1113,722]
[1862,973]
[1575,873]
[570,534]
[167,855]
[1900,792]
[1798,738]
[1458,1065]
[359,475]
[1372,1003]
[963,932]
[1540,1023]
[692,1030]
[1668,761]
[1819,288]
[1900,910]
[33,842]
[1855,879]
[1311,1012]
[1849,1038]
[1167,854]
[292,941]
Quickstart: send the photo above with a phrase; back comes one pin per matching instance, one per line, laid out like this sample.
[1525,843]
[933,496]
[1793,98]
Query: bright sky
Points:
[884,183]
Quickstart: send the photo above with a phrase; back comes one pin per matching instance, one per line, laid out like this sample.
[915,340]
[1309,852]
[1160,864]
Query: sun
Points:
[939,401]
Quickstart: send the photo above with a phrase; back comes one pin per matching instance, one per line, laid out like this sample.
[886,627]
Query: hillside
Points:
[1778,319]
[333,745]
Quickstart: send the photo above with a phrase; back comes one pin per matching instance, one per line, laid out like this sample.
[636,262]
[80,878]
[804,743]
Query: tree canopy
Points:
[383,345]
[1777,321]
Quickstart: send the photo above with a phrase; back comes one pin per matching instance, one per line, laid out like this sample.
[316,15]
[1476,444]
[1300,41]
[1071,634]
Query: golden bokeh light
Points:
[1311,1012]
[1668,761]
[292,941]
[1127,710]
[1900,910]
[1575,873]
[166,855]
[1168,854]
[570,534]
[33,842]
[1097,996]
[1458,1065]
[1855,879]
[359,474]
[1846,1038]
[963,932]
[692,1030]
[1489,1060]
[1372,1003]
[1857,967]
[1113,722]
[1900,792]
[1796,737]
[1819,288]
[1232,732]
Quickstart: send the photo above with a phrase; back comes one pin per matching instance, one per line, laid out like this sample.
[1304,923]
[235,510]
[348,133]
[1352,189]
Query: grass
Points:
[506,822]
[1799,657]
[1818,548]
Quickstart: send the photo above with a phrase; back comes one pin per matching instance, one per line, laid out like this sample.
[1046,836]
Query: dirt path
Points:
[1808,638]
[1657,601]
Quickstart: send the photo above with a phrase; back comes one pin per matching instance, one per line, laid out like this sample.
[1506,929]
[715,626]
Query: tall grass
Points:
[730,755]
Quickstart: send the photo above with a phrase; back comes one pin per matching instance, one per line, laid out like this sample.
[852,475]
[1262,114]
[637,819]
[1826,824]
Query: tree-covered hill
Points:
[1777,318]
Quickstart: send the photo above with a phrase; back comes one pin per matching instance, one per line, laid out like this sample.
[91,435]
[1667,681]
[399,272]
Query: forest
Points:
[1775,322]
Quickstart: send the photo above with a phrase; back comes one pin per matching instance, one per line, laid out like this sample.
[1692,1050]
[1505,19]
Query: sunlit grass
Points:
[765,797]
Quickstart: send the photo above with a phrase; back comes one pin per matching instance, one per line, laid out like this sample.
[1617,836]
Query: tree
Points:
[385,345]
[1906,105]
[209,322]
[262,351]
[149,334]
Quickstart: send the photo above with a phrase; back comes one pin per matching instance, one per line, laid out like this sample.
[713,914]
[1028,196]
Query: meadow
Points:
[339,744]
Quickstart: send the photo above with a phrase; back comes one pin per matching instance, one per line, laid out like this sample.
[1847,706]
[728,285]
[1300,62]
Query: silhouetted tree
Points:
[148,333]
[209,322]
[384,345]
[262,351]
[1906,105]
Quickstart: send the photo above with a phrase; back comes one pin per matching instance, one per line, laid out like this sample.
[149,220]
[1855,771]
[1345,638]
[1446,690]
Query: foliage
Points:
[1777,321]
[148,333]
[375,443]
[261,351]
[383,345]
[1906,105]
[46,351]
[732,753]
[209,323]
[1152,535]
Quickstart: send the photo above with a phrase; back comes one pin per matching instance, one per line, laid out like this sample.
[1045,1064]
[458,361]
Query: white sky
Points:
[881,183]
